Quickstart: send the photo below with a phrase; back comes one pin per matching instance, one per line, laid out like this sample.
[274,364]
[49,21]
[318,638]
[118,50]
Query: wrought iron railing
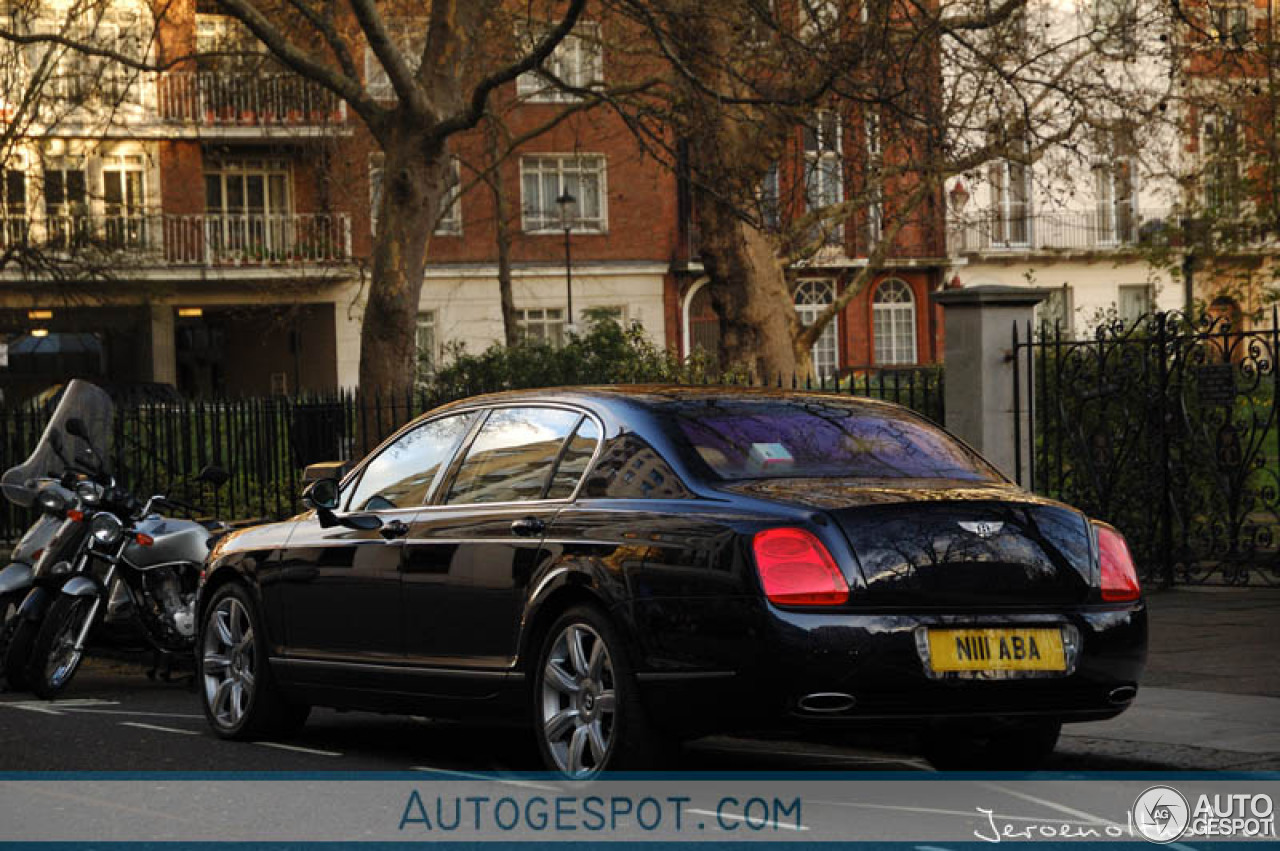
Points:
[246,99]
[170,239]
[1113,228]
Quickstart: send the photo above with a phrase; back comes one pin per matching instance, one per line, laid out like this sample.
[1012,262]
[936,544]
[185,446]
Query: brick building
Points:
[222,212]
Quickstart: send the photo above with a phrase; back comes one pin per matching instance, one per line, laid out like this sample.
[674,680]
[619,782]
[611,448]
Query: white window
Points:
[893,324]
[409,35]
[544,178]
[812,297]
[448,223]
[1114,201]
[1220,150]
[819,18]
[248,203]
[824,172]
[426,342]
[66,201]
[1011,203]
[1055,313]
[577,62]
[124,196]
[544,325]
[769,198]
[1229,24]
[1133,301]
[875,187]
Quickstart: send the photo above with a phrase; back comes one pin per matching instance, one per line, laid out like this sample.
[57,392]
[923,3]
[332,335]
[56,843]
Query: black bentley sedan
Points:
[624,567]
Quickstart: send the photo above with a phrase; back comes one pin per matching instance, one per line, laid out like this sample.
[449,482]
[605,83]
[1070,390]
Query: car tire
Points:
[587,713]
[53,661]
[240,697]
[1021,745]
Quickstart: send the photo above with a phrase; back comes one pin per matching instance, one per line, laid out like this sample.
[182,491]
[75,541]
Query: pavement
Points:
[1211,695]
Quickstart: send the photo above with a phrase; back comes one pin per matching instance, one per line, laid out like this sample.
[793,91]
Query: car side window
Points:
[512,455]
[574,460]
[401,475]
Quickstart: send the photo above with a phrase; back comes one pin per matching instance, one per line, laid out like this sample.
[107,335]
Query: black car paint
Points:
[436,627]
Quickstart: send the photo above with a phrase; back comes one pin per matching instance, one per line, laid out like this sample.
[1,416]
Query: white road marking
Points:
[142,726]
[298,748]
[56,707]
[903,760]
[470,775]
[731,817]
[1053,805]
[134,712]
[932,811]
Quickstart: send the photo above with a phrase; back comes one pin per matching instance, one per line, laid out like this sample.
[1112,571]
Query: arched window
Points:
[702,329]
[893,315]
[811,298]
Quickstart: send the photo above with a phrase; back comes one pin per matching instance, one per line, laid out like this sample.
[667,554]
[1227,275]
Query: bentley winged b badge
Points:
[984,529]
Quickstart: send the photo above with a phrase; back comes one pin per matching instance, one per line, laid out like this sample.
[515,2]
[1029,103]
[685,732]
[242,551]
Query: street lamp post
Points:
[568,215]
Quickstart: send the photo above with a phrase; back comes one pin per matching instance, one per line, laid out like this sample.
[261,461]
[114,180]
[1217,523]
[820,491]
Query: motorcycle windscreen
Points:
[83,401]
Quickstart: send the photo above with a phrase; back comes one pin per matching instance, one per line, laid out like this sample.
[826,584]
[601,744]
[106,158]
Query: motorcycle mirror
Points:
[214,475]
[75,428]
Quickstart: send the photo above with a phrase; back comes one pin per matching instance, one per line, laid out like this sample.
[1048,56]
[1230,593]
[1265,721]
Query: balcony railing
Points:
[1067,231]
[244,99]
[159,239]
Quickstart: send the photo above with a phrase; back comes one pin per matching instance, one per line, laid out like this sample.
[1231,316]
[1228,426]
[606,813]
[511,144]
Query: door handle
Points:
[527,527]
[394,529]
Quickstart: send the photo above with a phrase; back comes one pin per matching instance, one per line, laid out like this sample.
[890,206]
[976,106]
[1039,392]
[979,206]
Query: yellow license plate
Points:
[997,650]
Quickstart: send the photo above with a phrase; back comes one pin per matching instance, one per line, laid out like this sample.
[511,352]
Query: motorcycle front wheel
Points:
[54,657]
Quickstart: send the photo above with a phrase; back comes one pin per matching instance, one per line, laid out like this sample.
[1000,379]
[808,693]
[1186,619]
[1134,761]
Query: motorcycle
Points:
[148,590]
[62,481]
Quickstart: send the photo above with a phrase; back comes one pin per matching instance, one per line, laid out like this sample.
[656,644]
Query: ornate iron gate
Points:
[1166,428]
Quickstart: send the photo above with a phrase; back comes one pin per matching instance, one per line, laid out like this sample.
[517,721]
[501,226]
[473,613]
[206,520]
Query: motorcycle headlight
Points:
[90,493]
[51,501]
[106,528]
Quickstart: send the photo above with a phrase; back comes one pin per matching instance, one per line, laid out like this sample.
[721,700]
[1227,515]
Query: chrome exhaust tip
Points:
[826,702]
[1123,694]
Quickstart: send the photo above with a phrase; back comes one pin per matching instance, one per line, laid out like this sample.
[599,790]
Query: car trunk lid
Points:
[948,544]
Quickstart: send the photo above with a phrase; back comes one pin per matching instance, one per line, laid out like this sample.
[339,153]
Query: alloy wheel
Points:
[228,663]
[64,657]
[579,702]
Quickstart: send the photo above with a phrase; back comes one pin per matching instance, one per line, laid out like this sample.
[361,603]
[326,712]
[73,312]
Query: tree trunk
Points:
[412,183]
[502,237]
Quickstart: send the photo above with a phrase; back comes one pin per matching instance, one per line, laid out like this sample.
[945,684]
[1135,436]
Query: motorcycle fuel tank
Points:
[173,541]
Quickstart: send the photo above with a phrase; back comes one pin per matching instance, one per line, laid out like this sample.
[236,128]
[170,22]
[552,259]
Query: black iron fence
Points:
[1167,428]
[266,443]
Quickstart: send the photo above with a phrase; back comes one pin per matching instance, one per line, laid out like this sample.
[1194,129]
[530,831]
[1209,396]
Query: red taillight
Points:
[796,569]
[75,515]
[1119,576]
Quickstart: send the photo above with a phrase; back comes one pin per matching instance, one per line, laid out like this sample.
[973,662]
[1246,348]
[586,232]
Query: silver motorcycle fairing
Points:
[67,541]
[174,542]
[37,538]
[15,577]
[81,585]
[82,400]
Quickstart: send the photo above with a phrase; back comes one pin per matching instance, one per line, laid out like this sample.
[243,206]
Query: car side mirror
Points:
[322,495]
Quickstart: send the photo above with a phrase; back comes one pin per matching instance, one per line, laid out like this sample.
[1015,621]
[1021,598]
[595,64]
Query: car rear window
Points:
[751,439]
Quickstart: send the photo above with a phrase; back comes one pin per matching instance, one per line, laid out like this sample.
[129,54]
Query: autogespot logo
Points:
[1161,814]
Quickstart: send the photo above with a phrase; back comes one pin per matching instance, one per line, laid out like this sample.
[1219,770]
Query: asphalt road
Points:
[114,718]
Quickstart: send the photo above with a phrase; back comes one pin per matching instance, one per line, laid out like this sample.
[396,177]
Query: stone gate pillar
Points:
[978,355]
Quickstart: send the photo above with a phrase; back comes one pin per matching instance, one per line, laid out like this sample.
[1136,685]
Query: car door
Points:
[340,586]
[486,528]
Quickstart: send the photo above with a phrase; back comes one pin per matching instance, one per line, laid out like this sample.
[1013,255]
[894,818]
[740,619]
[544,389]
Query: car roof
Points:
[650,395]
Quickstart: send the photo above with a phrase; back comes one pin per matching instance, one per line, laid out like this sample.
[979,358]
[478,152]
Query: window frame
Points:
[351,482]
[533,221]
[588,53]
[890,308]
[831,334]
[440,489]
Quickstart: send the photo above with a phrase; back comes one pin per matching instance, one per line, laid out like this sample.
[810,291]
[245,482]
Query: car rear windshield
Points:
[751,439]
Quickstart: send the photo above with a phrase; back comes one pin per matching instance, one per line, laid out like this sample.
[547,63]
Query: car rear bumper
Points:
[803,669]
